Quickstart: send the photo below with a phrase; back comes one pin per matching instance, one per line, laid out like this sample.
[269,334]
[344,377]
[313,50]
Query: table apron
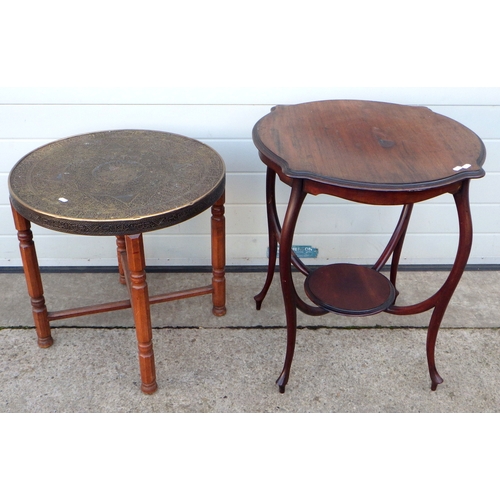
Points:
[380,197]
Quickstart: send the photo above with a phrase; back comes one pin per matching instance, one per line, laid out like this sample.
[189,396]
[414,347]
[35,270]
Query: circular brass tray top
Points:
[116,182]
[350,289]
[369,145]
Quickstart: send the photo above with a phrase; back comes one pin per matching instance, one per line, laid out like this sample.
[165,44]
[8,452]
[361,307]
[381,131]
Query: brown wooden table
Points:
[119,183]
[373,153]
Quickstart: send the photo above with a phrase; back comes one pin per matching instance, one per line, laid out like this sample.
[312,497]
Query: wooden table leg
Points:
[444,295]
[274,231]
[395,245]
[218,229]
[120,250]
[274,235]
[440,300]
[140,305]
[287,287]
[33,279]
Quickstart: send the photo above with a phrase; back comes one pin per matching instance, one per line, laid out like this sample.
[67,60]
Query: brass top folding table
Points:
[119,183]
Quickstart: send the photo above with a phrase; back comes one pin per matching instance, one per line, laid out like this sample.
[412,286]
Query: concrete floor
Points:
[230,364]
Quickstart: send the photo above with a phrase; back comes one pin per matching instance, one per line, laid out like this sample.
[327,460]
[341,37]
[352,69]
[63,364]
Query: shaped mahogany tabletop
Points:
[369,145]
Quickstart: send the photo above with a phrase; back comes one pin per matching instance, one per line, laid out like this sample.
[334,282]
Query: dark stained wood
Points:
[370,145]
[350,290]
[373,153]
[119,183]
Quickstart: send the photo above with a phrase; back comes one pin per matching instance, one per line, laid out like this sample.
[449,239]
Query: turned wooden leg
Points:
[120,250]
[218,257]
[140,306]
[33,279]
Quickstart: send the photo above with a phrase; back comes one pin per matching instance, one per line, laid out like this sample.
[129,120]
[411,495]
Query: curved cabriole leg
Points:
[432,332]
[139,298]
[218,228]
[289,294]
[395,245]
[446,292]
[273,232]
[33,279]
[396,256]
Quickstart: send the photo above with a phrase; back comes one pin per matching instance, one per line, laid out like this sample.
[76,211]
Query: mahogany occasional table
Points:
[373,153]
[119,183]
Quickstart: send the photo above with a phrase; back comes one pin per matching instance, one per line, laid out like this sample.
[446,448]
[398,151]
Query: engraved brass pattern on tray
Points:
[117,182]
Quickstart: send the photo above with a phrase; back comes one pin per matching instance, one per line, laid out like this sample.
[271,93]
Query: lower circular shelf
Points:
[350,289]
